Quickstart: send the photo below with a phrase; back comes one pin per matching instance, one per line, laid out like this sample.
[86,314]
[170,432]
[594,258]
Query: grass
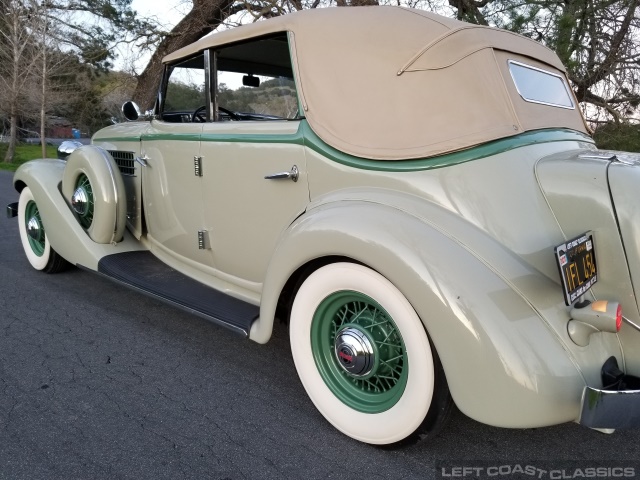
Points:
[24,153]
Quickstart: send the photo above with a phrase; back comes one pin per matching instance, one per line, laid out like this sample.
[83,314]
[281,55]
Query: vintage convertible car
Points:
[417,197]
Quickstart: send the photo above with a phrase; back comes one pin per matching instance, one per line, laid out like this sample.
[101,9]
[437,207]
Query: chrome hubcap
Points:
[34,229]
[354,352]
[80,201]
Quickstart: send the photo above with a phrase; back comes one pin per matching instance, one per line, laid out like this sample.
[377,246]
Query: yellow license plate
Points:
[577,263]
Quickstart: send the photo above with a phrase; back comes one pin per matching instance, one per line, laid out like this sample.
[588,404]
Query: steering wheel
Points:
[199,114]
[232,115]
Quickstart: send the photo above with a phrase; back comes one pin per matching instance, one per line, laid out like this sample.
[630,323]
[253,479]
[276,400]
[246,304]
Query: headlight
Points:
[66,148]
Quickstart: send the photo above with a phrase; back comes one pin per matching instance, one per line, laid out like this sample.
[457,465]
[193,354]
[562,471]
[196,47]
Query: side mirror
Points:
[250,81]
[131,111]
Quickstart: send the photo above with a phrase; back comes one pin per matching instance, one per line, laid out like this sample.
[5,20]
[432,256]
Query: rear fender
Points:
[504,365]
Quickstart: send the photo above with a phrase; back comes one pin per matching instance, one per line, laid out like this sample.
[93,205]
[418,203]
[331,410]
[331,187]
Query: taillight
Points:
[619,317]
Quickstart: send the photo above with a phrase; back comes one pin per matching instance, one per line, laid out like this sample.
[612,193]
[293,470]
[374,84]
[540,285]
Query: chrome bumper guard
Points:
[12,210]
[610,409]
[616,406]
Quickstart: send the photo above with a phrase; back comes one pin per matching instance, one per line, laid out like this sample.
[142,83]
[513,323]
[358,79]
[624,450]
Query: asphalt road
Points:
[98,382]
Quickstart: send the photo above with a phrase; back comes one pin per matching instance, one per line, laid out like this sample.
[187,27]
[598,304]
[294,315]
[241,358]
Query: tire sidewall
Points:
[406,415]
[36,261]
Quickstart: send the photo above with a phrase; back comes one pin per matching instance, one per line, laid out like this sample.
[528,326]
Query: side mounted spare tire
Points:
[93,186]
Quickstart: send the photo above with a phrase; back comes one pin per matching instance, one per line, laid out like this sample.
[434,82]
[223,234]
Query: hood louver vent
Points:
[125,162]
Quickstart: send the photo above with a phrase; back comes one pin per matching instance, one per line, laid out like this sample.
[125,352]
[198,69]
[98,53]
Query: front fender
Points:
[66,236]
[505,366]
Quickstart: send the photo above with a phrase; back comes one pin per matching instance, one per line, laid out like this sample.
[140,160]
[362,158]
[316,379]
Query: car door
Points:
[254,167]
[172,189]
[245,212]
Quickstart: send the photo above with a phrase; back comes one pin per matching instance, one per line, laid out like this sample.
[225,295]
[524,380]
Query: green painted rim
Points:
[31,212]
[385,384]
[83,182]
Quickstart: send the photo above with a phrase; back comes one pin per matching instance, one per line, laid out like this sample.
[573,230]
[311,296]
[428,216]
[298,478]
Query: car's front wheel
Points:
[364,357]
[34,238]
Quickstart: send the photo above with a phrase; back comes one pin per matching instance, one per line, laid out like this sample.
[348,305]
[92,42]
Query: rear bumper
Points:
[610,409]
[615,406]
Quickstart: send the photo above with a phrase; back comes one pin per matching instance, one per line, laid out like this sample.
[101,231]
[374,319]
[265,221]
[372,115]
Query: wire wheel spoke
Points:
[35,230]
[86,219]
[381,353]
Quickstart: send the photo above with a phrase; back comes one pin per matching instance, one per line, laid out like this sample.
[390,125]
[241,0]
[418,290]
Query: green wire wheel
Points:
[364,357]
[35,230]
[83,201]
[359,352]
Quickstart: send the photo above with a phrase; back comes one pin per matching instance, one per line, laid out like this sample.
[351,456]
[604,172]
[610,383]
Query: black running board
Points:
[143,272]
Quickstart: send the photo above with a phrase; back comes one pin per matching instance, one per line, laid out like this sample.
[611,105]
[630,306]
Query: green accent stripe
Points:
[475,153]
[297,138]
[306,136]
[179,137]
[116,139]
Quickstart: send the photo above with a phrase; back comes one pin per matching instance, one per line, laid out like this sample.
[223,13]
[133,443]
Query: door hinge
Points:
[197,166]
[204,243]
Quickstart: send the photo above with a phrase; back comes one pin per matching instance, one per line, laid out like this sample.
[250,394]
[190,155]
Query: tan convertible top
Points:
[392,83]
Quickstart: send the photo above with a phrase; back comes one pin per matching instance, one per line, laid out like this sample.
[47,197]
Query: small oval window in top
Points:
[540,86]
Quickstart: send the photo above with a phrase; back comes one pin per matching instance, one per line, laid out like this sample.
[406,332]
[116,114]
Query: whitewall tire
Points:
[34,238]
[362,354]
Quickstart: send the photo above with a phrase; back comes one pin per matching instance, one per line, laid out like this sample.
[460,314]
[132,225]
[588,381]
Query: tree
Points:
[93,28]
[18,59]
[597,40]
[38,38]
[204,17]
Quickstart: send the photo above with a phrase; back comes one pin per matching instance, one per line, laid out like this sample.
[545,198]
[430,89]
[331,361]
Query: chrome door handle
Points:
[293,175]
[143,160]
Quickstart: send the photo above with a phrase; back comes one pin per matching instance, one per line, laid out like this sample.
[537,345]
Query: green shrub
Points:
[624,137]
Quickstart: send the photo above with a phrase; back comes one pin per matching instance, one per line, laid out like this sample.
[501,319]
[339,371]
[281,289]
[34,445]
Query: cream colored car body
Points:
[468,237]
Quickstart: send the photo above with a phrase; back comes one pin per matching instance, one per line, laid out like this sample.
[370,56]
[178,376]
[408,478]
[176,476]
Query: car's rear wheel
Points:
[364,357]
[34,237]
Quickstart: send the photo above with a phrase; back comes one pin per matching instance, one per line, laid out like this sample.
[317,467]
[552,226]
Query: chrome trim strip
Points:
[633,324]
[598,157]
[610,409]
[562,79]
[207,84]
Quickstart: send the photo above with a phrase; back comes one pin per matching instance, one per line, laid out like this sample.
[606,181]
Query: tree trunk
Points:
[204,17]
[43,102]
[13,135]
[14,95]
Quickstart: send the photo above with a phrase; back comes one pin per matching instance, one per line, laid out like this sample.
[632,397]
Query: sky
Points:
[167,12]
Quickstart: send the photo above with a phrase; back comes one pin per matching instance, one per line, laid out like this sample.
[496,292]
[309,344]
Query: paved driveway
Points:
[98,382]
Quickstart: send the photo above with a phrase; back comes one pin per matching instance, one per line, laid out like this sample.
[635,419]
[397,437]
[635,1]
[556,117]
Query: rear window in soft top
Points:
[540,86]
